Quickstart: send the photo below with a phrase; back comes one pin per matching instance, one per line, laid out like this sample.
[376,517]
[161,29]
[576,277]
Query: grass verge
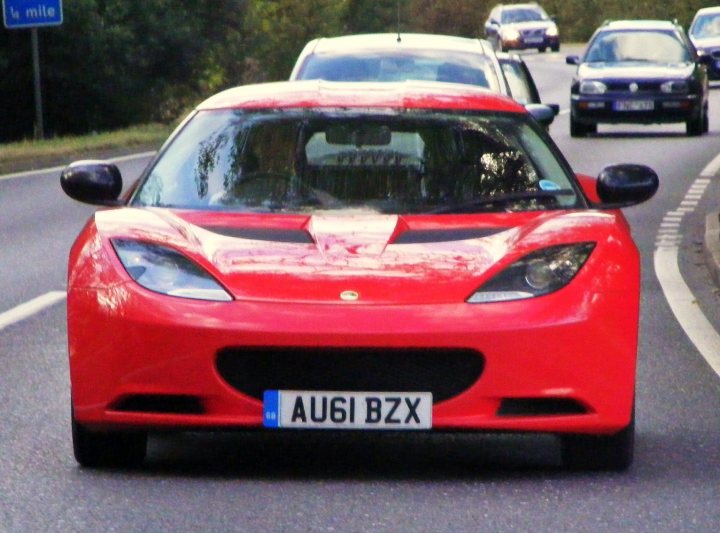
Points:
[30,155]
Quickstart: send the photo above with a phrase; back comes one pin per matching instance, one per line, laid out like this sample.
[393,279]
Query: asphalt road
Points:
[221,482]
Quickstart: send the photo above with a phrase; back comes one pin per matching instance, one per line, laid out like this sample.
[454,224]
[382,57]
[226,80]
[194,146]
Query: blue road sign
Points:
[20,14]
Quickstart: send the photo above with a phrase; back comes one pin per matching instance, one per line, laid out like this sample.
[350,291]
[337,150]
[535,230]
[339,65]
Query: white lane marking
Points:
[711,168]
[685,306]
[29,308]
[564,112]
[27,173]
[682,302]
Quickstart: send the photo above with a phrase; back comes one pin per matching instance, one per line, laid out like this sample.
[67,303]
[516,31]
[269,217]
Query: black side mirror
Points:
[572,60]
[705,59]
[543,113]
[626,185]
[92,182]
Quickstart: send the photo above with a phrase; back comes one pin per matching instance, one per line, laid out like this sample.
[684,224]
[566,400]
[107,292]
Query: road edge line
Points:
[29,308]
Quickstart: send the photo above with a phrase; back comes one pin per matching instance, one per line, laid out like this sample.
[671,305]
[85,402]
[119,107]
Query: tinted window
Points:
[706,26]
[434,65]
[510,16]
[389,162]
[637,45]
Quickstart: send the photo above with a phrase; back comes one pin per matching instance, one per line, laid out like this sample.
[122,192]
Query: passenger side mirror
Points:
[626,185]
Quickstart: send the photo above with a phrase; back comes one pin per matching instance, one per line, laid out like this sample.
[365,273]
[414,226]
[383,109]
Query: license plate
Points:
[347,410]
[634,105]
[533,40]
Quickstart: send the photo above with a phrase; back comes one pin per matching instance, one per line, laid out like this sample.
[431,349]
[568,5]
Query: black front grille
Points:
[444,372]
[540,407]
[642,86]
[159,403]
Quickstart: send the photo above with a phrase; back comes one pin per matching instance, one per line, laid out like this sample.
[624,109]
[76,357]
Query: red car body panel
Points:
[577,343]
[126,340]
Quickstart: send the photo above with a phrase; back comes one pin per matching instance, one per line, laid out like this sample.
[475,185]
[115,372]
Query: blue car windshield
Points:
[706,26]
[638,46]
[381,161]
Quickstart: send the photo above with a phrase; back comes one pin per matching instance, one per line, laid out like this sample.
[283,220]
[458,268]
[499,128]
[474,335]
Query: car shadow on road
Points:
[338,455]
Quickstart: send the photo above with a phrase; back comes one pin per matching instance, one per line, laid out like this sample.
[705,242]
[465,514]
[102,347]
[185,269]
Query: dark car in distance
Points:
[520,27]
[704,33]
[639,71]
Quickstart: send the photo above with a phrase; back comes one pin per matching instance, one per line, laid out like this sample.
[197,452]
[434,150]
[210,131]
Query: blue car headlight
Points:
[675,87]
[164,270]
[592,87]
[538,273]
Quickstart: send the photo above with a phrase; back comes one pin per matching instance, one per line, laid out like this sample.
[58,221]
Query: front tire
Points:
[600,452]
[696,126]
[108,448]
[579,129]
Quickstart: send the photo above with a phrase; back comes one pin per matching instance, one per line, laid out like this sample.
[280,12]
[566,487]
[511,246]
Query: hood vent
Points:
[442,235]
[297,236]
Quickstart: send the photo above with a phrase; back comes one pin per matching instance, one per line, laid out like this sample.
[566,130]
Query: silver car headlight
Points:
[538,273]
[592,87]
[675,87]
[552,31]
[510,34]
[164,270]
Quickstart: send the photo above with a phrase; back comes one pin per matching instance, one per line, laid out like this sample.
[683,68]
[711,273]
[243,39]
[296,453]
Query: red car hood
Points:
[382,258]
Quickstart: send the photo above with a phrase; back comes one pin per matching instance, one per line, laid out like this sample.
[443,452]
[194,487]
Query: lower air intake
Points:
[443,371]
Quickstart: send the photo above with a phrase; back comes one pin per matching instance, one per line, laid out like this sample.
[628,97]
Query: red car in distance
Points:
[355,256]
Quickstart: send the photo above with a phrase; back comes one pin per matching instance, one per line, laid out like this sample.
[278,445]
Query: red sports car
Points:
[355,256]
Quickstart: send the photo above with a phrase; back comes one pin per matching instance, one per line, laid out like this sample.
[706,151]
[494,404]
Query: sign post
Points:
[20,14]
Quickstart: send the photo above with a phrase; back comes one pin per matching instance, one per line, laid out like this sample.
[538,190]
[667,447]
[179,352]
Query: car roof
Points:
[708,10]
[391,95]
[527,5]
[407,41]
[639,25]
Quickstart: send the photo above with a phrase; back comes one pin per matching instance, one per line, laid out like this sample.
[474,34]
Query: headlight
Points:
[592,87]
[675,87]
[538,273]
[552,31]
[510,34]
[166,271]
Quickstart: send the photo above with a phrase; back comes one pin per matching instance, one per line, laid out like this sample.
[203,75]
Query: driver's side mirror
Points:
[543,113]
[92,182]
[572,60]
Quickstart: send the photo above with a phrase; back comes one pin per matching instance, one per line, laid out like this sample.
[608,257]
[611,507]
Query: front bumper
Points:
[127,344]
[522,43]
[607,108]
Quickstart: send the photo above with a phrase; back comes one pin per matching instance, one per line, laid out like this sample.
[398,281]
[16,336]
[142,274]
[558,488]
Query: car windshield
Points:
[510,16]
[380,161]
[393,65]
[637,45]
[706,26]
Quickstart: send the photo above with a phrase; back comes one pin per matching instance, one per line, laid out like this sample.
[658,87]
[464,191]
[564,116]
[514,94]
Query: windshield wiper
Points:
[499,200]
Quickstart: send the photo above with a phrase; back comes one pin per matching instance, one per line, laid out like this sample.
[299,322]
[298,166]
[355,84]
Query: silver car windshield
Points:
[306,161]
[398,65]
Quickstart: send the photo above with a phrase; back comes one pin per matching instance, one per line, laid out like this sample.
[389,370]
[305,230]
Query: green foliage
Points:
[118,62]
